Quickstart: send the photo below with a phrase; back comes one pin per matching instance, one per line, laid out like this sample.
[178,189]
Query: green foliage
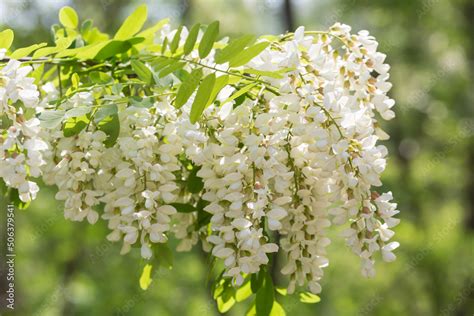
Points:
[110,125]
[6,38]
[202,97]
[145,278]
[234,48]
[187,88]
[208,39]
[142,71]
[191,39]
[133,24]
[68,17]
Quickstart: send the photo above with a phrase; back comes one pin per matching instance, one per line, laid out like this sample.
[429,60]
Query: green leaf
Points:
[51,118]
[187,87]
[6,38]
[256,281]
[171,68]
[233,49]
[164,46]
[68,17]
[265,296]
[105,111]
[194,184]
[61,44]
[145,278]
[112,48]
[272,74]
[149,33]
[202,96]
[208,39]
[277,310]
[79,111]
[183,207]
[175,42]
[142,71]
[99,77]
[164,255]
[282,291]
[203,217]
[240,92]
[75,125]
[309,298]
[25,51]
[244,292]
[221,82]
[133,24]
[110,125]
[248,54]
[191,40]
[225,306]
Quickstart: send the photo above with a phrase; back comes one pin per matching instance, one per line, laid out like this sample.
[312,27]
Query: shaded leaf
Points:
[142,71]
[194,184]
[110,125]
[78,111]
[265,296]
[183,207]
[163,255]
[51,118]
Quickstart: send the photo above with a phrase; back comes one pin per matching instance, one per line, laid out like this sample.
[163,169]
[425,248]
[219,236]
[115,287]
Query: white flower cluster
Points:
[21,147]
[277,170]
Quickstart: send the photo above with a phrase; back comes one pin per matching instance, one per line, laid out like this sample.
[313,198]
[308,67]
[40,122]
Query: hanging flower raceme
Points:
[252,147]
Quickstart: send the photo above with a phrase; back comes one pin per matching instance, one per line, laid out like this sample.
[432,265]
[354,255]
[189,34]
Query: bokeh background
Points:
[65,268]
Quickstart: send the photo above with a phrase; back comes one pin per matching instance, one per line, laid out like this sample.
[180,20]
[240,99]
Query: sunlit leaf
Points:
[25,51]
[132,24]
[309,298]
[175,42]
[248,54]
[191,39]
[6,38]
[208,39]
[68,17]
[240,92]
[202,96]
[233,48]
[145,278]
[187,87]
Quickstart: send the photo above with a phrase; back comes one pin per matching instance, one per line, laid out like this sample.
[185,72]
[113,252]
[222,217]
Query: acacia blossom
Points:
[277,170]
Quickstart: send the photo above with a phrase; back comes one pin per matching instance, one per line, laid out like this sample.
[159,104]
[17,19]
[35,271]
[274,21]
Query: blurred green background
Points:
[66,268]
